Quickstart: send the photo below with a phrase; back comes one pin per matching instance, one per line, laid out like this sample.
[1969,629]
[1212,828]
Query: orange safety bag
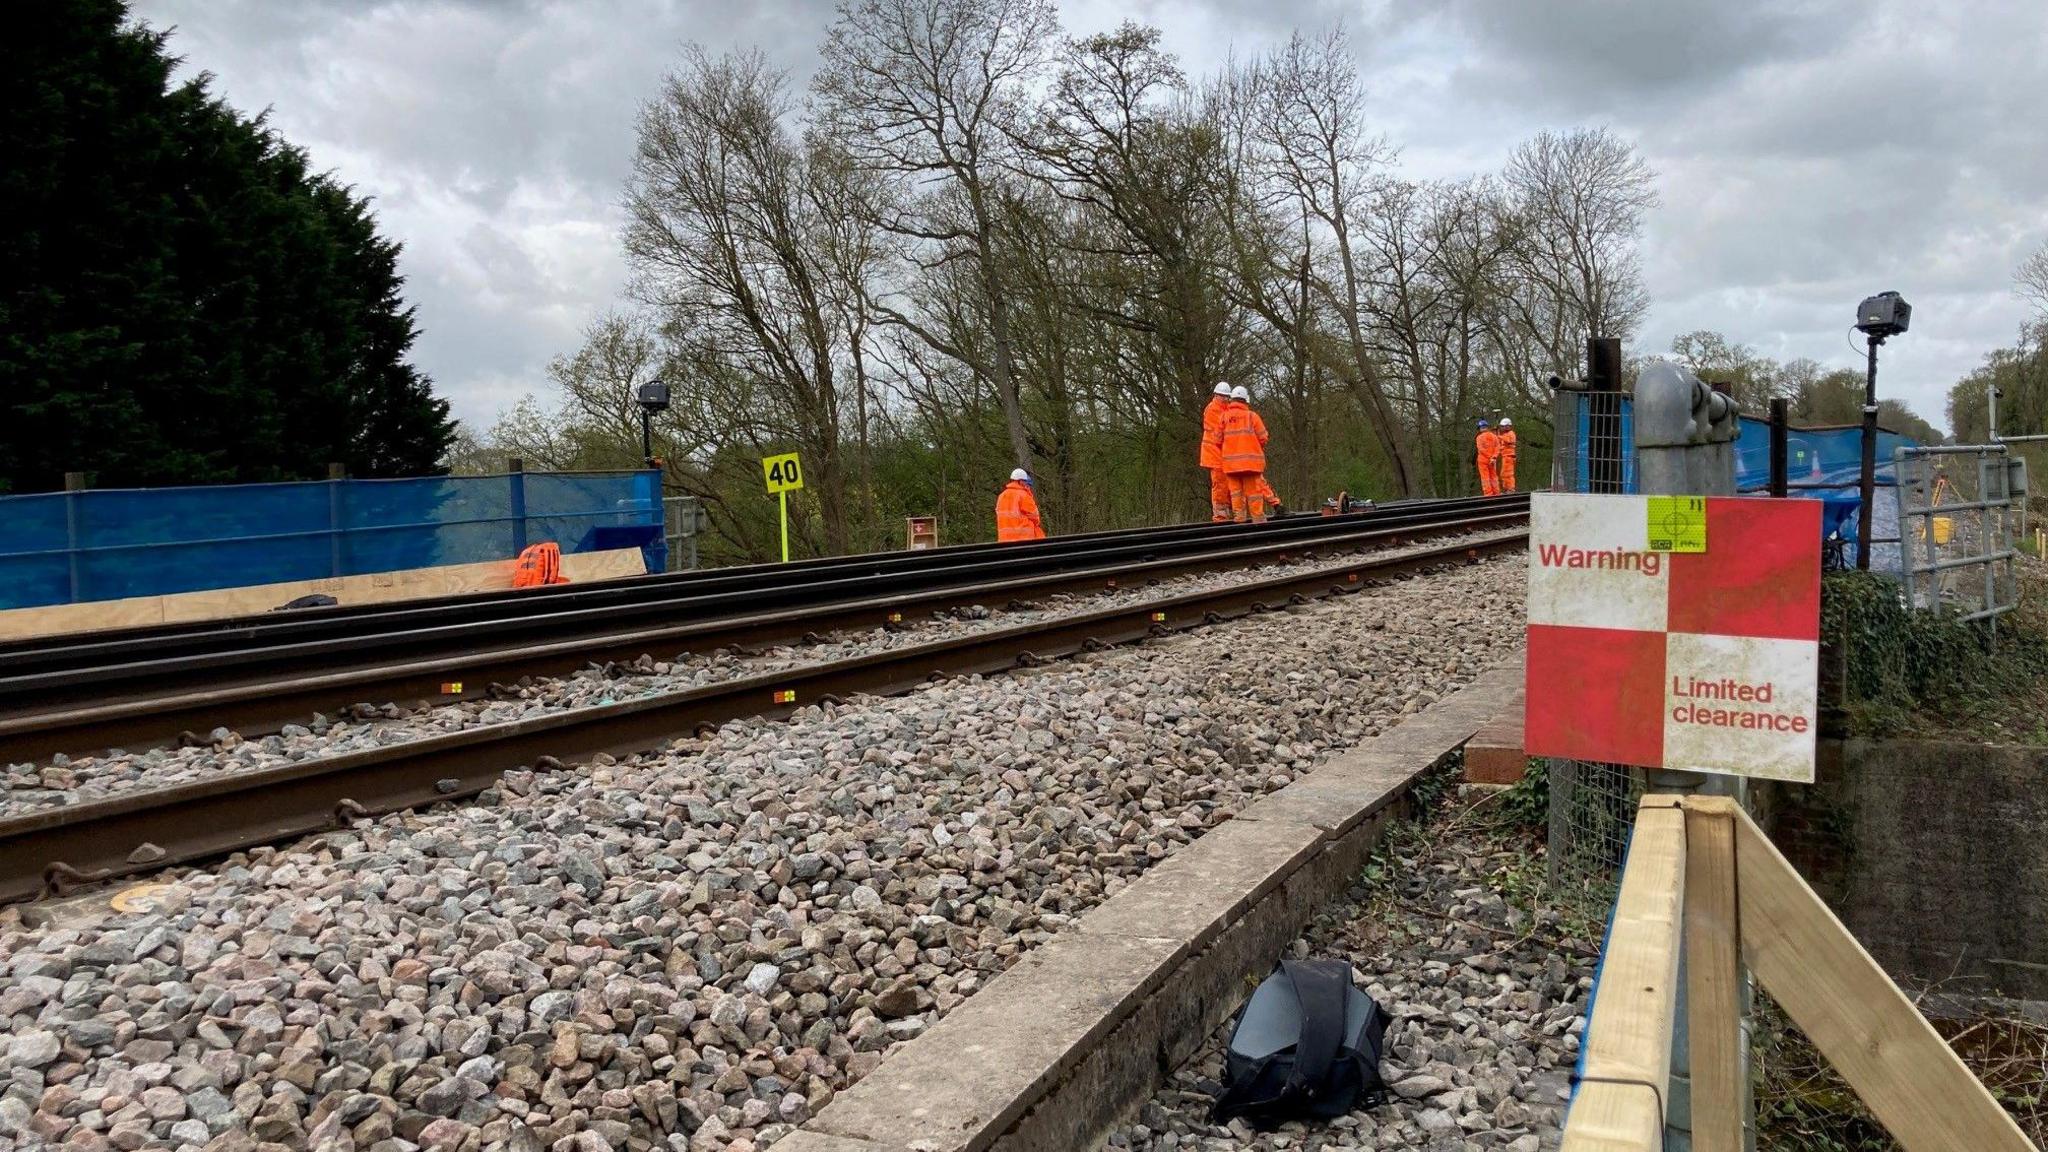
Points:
[538,565]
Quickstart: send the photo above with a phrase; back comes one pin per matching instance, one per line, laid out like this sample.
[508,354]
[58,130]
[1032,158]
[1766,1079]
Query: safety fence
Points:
[1595,442]
[1704,893]
[1592,809]
[67,547]
[1965,515]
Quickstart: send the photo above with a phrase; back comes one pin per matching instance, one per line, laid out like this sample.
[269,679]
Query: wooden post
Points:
[1713,980]
[74,483]
[1852,1012]
[1627,1074]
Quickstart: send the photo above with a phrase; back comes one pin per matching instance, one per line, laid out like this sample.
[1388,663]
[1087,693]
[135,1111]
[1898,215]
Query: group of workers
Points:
[1496,458]
[1234,452]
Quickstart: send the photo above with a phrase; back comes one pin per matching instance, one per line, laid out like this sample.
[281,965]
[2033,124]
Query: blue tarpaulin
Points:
[64,547]
[1816,459]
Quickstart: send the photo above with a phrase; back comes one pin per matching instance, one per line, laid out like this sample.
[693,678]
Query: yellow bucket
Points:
[1944,527]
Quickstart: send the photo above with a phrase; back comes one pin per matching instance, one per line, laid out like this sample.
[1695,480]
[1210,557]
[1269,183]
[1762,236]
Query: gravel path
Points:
[1487,990]
[694,949]
[67,780]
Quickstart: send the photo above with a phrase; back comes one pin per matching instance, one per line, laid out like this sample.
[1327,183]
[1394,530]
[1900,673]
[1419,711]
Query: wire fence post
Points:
[74,529]
[337,475]
[515,475]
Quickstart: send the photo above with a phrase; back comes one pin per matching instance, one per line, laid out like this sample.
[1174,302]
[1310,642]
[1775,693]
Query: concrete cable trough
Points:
[1051,1054]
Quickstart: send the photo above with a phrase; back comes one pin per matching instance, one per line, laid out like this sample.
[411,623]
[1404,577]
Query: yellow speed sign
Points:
[784,473]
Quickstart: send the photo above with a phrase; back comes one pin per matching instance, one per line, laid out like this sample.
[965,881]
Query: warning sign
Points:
[1650,646]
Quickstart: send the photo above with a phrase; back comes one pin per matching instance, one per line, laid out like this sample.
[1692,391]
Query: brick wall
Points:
[1934,854]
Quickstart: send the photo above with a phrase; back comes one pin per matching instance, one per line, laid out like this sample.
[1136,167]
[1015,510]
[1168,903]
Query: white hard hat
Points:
[1240,393]
[1221,389]
[1019,474]
[1506,423]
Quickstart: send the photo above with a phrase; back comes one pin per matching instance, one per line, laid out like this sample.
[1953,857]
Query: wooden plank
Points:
[1853,1013]
[368,588]
[1619,1106]
[1713,979]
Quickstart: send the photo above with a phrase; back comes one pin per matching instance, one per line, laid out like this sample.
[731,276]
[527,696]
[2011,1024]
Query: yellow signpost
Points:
[784,474]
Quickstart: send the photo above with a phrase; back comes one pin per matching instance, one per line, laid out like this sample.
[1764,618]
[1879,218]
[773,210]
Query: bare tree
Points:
[1121,140]
[2033,278]
[730,240]
[924,90]
[1582,196]
[1437,251]
[1305,106]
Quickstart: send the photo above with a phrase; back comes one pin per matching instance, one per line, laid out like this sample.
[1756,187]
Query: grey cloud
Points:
[1809,152]
[493,138]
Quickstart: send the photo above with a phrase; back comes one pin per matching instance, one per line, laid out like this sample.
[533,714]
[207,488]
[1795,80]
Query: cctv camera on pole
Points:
[652,397]
[1879,317]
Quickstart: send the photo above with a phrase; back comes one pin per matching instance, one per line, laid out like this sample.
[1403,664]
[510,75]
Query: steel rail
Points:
[345,624]
[55,848]
[464,670]
[80,671]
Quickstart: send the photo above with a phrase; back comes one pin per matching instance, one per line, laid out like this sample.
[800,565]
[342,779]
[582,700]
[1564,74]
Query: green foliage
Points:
[1527,803]
[182,298]
[1816,397]
[2020,373]
[1908,670]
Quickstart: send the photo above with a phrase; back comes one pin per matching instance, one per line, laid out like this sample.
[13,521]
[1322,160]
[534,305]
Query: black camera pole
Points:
[1869,484]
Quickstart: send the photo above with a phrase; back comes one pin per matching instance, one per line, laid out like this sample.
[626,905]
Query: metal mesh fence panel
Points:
[1965,514]
[1592,809]
[1595,442]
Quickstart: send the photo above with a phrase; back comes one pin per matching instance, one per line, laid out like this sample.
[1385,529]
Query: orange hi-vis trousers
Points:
[1219,495]
[1489,477]
[1247,500]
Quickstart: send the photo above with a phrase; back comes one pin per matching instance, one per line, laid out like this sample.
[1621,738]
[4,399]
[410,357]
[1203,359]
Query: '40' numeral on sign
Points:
[784,473]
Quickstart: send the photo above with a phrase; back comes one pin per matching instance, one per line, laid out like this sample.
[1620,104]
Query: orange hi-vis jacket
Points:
[1507,445]
[1017,514]
[1212,431]
[1244,443]
[1489,447]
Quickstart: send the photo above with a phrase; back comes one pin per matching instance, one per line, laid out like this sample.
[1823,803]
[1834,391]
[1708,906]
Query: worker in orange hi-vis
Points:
[1017,511]
[1262,487]
[1507,454]
[1489,461]
[1244,460]
[1212,453]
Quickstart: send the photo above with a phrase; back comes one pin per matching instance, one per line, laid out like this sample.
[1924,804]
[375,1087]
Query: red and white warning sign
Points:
[1700,653]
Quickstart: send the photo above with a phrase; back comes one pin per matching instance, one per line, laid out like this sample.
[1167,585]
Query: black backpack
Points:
[1306,1046]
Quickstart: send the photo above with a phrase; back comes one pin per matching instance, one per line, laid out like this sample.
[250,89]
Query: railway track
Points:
[57,848]
[144,688]
[766,584]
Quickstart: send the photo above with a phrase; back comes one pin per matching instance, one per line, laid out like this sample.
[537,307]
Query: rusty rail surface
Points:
[460,663]
[56,848]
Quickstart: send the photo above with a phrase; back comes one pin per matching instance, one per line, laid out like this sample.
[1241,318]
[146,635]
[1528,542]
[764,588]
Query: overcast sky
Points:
[1809,152]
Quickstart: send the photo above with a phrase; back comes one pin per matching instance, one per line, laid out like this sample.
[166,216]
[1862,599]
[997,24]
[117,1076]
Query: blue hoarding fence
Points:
[67,547]
[1596,453]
